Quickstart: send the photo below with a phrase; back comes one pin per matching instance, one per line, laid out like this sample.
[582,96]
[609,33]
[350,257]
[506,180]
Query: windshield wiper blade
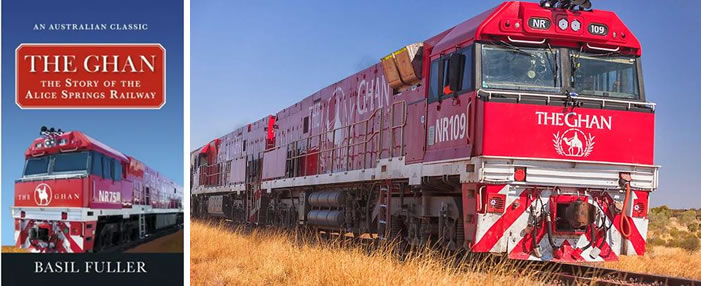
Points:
[515,49]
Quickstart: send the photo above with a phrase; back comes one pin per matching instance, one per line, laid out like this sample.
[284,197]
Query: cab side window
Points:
[96,164]
[106,167]
[117,170]
[452,74]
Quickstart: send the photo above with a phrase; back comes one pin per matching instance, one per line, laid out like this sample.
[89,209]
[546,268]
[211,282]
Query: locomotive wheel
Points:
[104,238]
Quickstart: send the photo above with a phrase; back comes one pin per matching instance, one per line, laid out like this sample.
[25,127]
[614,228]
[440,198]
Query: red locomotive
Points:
[522,131]
[77,194]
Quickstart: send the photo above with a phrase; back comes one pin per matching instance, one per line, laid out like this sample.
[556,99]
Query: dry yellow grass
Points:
[221,256]
[172,243]
[12,249]
[662,260]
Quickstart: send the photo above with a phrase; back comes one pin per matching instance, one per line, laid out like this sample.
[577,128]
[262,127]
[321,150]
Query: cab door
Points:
[415,126]
[450,105]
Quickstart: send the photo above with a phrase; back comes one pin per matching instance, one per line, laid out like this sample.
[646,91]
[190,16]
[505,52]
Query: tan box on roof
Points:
[403,67]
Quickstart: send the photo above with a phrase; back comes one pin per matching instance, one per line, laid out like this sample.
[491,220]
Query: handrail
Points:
[603,49]
[325,150]
[526,41]
[548,96]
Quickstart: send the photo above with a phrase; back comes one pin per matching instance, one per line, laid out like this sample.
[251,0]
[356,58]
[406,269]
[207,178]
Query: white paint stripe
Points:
[613,237]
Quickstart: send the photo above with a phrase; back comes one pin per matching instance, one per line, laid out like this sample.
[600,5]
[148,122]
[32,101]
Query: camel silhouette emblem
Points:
[42,195]
[578,143]
[574,143]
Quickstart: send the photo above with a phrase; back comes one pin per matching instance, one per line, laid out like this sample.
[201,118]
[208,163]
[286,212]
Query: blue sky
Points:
[152,136]
[253,58]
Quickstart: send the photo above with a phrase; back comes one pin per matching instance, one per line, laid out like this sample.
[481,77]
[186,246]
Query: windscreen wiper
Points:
[515,49]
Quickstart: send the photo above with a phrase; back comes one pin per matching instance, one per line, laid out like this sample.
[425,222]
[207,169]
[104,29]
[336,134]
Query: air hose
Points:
[625,219]
[534,232]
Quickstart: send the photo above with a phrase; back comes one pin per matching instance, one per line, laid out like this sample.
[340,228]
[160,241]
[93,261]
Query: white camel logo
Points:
[42,192]
[574,143]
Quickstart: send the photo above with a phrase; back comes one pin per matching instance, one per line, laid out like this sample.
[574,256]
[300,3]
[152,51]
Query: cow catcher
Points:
[523,131]
[77,194]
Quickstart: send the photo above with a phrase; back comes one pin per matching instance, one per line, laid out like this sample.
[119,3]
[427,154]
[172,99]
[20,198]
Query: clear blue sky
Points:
[152,136]
[253,58]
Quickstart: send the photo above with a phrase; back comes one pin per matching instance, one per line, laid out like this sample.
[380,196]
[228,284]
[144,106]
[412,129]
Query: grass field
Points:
[671,261]
[172,243]
[221,256]
[12,249]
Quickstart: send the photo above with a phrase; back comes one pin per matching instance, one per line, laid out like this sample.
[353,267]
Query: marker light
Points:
[563,24]
[576,25]
[520,174]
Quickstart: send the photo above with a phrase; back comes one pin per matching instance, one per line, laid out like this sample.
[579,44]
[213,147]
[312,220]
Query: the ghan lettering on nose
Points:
[450,128]
[574,120]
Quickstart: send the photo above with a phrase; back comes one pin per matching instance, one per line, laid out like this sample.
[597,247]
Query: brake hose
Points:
[624,217]
[534,232]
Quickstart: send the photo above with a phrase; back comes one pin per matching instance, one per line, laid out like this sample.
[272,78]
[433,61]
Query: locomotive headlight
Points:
[47,142]
[563,24]
[576,25]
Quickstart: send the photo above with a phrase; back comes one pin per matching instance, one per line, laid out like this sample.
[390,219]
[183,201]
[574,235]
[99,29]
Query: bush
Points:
[675,233]
[693,227]
[658,220]
[656,241]
[687,217]
[690,243]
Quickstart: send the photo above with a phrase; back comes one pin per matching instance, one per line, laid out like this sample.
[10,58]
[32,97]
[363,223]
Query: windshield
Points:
[71,162]
[37,166]
[604,75]
[66,162]
[509,67]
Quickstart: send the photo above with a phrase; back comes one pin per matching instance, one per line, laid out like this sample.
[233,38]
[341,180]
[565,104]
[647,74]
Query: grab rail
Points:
[549,96]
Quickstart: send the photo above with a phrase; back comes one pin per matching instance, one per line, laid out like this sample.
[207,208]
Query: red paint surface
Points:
[107,82]
[511,129]
[63,193]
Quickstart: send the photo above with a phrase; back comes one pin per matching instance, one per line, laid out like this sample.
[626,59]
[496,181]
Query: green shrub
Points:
[687,217]
[690,243]
[675,233]
[656,241]
[658,221]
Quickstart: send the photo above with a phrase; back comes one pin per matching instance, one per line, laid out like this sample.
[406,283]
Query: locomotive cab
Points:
[556,123]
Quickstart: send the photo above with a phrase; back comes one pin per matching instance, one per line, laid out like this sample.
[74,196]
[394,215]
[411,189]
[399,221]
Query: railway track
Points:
[558,273]
[593,275]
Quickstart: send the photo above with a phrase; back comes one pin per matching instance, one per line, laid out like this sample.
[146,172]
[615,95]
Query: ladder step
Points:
[382,222]
[383,205]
